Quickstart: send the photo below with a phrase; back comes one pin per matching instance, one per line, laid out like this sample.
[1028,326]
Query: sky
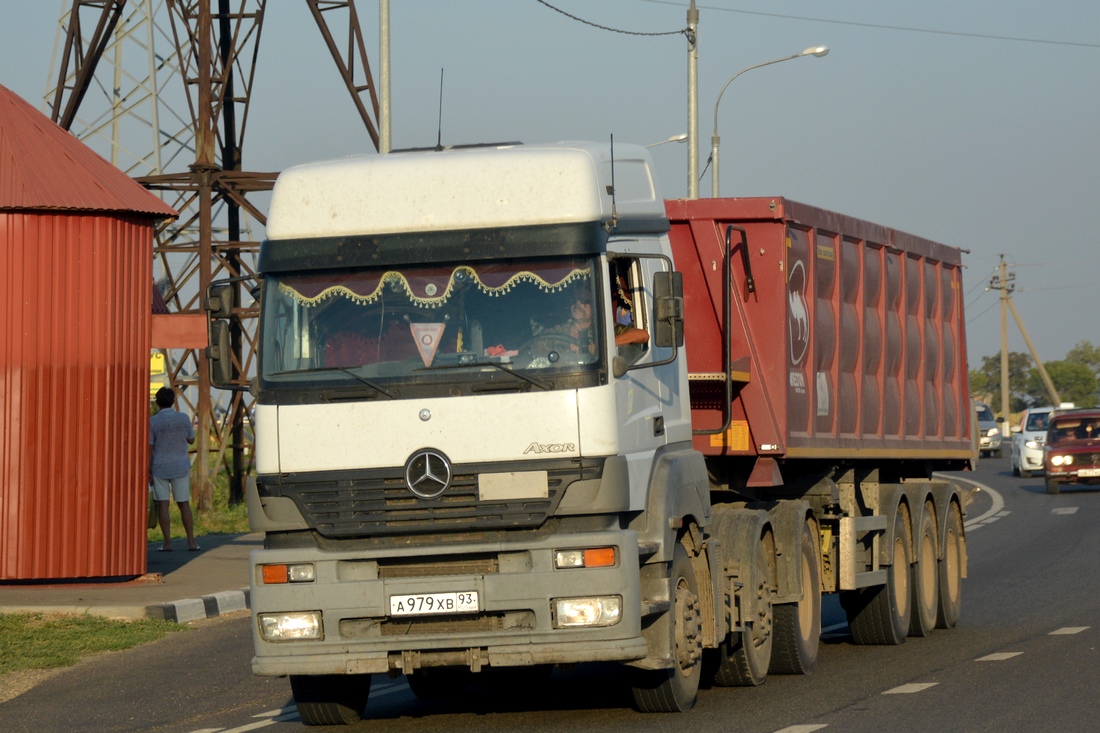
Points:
[974,124]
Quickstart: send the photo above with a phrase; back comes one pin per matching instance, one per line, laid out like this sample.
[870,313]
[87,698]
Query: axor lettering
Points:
[551,448]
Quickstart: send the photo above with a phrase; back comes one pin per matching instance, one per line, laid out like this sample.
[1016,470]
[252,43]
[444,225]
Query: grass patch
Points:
[41,641]
[221,518]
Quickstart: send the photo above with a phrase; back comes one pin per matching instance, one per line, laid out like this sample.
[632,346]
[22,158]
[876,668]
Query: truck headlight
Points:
[592,611]
[304,625]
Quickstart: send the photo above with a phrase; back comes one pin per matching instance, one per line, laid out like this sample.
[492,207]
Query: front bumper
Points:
[514,626]
[1063,475]
[1031,459]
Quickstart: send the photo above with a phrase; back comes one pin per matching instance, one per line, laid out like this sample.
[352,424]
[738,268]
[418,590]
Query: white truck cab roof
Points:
[464,188]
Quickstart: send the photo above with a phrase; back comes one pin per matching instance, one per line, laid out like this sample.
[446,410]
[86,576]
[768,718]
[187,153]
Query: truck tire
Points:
[880,615]
[330,699]
[745,657]
[439,683]
[798,625]
[925,576]
[1052,486]
[674,690]
[951,567]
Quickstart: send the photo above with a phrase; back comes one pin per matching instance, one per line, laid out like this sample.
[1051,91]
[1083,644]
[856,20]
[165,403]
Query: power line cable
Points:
[973,318]
[960,34]
[607,28]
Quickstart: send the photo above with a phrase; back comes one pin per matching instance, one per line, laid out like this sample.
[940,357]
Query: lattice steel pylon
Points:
[161,88]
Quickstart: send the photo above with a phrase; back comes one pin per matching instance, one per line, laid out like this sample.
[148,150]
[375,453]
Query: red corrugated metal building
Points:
[76,239]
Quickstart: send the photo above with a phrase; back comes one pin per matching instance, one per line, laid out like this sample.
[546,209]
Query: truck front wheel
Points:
[330,699]
[674,690]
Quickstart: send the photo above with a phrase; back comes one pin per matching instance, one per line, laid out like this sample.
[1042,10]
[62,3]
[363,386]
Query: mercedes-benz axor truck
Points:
[514,410]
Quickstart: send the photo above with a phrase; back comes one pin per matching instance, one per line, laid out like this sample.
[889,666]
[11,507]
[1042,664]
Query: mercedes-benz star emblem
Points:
[427,473]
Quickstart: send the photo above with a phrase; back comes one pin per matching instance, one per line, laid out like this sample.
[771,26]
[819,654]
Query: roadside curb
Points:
[195,609]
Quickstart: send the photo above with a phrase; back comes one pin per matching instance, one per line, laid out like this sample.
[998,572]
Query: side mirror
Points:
[1016,429]
[220,355]
[219,301]
[668,309]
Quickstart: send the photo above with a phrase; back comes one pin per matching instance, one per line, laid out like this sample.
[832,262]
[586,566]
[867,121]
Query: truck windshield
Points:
[433,323]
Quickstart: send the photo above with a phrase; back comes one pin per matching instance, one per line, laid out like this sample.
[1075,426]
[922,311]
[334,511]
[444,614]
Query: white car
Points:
[989,431]
[1028,438]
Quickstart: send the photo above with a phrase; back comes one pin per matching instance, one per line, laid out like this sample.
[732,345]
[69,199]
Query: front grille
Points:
[376,503]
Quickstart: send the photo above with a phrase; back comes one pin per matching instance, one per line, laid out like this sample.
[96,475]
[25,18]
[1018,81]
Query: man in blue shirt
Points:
[170,432]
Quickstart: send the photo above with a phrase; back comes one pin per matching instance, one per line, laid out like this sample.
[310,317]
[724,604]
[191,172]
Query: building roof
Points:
[44,167]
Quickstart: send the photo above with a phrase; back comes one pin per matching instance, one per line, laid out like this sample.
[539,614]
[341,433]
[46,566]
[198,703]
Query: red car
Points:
[1072,452]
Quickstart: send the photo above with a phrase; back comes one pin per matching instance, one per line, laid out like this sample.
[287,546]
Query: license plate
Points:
[1088,472]
[424,604]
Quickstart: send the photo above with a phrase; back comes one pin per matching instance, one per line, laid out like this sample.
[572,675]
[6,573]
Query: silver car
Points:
[1028,438]
[989,431]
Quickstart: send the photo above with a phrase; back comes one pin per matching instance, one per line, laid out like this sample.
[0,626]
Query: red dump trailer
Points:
[846,341]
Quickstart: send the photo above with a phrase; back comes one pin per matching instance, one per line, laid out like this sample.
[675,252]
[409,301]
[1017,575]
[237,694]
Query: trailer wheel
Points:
[925,574]
[798,625]
[744,658]
[880,615]
[674,690]
[950,590]
[330,699]
[439,683]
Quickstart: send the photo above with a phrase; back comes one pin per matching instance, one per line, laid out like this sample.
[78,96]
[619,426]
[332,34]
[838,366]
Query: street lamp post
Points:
[813,51]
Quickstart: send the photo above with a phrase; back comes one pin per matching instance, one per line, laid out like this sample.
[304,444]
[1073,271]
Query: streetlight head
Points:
[674,139]
[816,51]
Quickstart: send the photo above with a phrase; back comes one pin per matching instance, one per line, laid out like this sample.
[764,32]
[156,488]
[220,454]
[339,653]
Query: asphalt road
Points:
[1023,658]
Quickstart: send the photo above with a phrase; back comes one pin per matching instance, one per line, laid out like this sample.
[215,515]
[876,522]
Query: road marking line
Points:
[252,726]
[1064,510]
[801,728]
[998,657]
[998,500]
[1068,630]
[910,688]
[273,713]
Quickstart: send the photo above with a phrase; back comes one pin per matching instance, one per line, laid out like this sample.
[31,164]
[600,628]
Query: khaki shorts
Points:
[180,488]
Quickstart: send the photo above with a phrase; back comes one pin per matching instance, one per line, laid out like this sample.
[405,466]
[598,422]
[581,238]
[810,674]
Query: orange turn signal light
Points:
[275,574]
[599,557]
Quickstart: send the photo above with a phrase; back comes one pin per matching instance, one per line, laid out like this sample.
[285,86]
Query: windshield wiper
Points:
[344,370]
[496,365]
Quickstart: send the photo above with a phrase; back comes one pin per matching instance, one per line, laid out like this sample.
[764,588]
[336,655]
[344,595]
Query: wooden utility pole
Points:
[1005,282]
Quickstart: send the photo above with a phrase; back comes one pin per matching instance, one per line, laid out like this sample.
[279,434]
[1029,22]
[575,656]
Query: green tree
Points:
[1075,383]
[1085,353]
[985,382]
